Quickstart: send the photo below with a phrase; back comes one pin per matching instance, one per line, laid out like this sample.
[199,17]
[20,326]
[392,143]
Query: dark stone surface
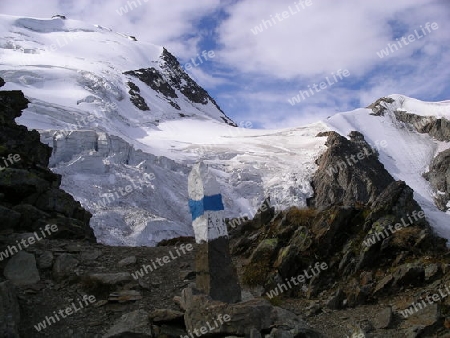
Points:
[336,182]
[435,127]
[216,274]
[264,214]
[439,178]
[30,191]
[9,311]
[136,98]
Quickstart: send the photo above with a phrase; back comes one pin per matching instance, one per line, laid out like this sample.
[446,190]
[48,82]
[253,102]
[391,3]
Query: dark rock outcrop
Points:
[9,311]
[349,173]
[136,97]
[240,319]
[30,197]
[173,77]
[378,108]
[439,177]
[439,128]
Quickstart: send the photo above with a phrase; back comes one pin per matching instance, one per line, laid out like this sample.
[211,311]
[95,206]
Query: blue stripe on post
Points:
[208,203]
[213,203]
[196,208]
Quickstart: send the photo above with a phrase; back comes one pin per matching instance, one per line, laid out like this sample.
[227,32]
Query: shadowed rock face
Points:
[439,177]
[30,197]
[136,98]
[349,172]
[437,128]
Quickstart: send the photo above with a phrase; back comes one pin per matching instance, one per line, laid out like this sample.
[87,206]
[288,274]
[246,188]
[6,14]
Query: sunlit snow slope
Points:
[129,166]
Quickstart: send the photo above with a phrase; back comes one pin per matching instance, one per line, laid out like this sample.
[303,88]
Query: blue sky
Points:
[253,76]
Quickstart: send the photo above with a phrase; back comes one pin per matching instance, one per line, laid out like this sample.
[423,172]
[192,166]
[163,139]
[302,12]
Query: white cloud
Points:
[321,38]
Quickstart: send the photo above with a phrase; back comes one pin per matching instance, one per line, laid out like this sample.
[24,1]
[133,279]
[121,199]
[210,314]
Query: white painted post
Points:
[215,273]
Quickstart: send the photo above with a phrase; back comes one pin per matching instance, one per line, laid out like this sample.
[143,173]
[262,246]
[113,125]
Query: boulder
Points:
[45,260]
[21,269]
[133,324]
[9,219]
[166,316]
[9,311]
[340,180]
[64,266]
[383,318]
[127,261]
[239,318]
[111,278]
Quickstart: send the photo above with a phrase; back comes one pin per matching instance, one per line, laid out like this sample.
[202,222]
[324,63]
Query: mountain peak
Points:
[89,70]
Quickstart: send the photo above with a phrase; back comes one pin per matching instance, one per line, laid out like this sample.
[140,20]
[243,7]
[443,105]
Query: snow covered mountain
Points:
[126,124]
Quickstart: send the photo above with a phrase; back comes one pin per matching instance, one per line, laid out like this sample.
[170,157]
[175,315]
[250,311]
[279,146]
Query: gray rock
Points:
[336,301]
[338,183]
[21,269]
[413,331]
[432,271]
[256,314]
[166,315]
[111,278]
[255,333]
[187,275]
[264,214]
[30,216]
[133,323]
[127,261]
[409,274]
[90,255]
[439,177]
[169,331]
[125,296]
[426,316]
[64,266]
[383,319]
[22,182]
[435,127]
[9,219]
[9,311]
[45,261]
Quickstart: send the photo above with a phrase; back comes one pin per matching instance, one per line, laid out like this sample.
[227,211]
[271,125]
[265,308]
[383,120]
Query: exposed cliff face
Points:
[439,128]
[439,177]
[30,197]
[349,172]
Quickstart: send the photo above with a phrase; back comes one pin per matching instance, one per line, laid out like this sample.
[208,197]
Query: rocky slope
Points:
[372,239]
